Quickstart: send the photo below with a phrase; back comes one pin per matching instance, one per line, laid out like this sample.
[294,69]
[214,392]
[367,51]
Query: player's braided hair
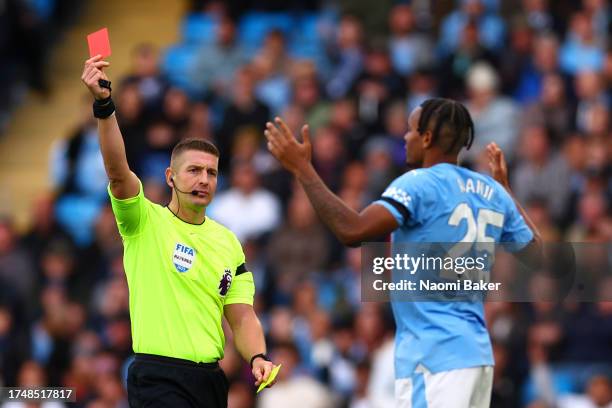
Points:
[448,120]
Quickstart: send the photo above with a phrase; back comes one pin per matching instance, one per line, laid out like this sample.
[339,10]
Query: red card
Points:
[99,44]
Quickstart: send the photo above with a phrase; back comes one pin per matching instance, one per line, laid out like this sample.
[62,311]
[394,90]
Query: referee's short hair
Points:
[193,144]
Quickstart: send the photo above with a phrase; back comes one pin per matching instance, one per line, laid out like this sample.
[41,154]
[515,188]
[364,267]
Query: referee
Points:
[184,272]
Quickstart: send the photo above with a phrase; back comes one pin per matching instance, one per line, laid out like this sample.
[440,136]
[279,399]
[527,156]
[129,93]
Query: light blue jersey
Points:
[447,203]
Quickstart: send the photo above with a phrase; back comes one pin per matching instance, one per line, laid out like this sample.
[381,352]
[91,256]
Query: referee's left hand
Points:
[261,371]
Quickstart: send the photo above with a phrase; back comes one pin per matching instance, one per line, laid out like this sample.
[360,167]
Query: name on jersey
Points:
[183,257]
[475,187]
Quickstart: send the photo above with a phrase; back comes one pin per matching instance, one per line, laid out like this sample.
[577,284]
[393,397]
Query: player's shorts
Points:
[462,388]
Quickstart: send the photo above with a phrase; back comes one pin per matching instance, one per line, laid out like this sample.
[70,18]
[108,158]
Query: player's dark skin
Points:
[352,227]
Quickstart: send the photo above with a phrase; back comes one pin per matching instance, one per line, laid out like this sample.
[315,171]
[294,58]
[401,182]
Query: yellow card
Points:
[271,378]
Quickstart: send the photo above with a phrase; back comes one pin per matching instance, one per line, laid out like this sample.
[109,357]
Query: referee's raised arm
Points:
[123,182]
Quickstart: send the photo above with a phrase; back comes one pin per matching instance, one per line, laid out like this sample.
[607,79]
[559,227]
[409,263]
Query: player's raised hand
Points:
[92,72]
[497,164]
[292,154]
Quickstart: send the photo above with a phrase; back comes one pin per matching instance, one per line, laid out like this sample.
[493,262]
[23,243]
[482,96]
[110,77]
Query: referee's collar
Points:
[182,220]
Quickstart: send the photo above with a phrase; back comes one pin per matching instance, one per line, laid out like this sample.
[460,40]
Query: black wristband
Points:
[262,355]
[103,108]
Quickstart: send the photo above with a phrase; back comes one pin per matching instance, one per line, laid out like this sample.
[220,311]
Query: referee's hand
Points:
[261,371]
[92,73]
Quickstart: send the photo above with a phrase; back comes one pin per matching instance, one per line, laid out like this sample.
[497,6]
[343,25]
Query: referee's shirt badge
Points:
[183,257]
[225,282]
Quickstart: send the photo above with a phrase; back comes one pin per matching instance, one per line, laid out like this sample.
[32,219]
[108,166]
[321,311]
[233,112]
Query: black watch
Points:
[262,355]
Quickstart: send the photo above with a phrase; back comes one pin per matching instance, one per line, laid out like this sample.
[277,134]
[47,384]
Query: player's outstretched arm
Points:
[123,182]
[349,226]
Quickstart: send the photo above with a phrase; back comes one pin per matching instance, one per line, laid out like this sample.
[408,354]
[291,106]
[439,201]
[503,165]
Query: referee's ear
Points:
[170,177]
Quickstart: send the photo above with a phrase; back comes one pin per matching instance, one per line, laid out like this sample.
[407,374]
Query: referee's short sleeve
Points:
[242,289]
[130,213]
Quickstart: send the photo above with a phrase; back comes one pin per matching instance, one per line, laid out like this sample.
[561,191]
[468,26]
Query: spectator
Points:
[44,227]
[490,27]
[16,269]
[145,75]
[590,93]
[154,159]
[495,116]
[329,155]
[553,110]
[537,209]
[377,84]
[382,377]
[396,125]
[408,49]
[175,109]
[13,342]
[422,85]
[78,176]
[347,56]
[518,55]
[271,67]
[244,110]
[598,393]
[360,397]
[133,121]
[541,164]
[455,67]
[543,61]
[538,16]
[217,63]
[247,209]
[379,165]
[344,120]
[581,49]
[299,247]
[307,95]
[200,124]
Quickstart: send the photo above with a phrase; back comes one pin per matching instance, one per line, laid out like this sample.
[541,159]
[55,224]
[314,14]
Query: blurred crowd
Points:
[28,30]
[536,76]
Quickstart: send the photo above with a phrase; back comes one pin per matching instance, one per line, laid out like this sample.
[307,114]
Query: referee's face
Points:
[196,177]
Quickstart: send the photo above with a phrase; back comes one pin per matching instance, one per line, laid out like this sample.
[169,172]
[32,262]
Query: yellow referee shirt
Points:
[179,276]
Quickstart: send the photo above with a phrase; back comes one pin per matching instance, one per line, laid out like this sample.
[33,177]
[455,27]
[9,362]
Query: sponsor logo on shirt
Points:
[183,257]
[226,282]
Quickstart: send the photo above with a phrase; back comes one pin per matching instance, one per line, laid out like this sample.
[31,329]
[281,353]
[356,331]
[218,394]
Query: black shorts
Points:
[157,381]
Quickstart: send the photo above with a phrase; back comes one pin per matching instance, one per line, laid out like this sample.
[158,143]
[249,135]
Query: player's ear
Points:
[427,139]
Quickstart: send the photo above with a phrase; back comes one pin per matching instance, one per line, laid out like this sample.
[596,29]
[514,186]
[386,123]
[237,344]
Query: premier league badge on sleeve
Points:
[226,282]
[183,257]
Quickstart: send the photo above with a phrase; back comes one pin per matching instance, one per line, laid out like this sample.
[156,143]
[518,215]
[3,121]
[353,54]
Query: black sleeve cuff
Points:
[402,210]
